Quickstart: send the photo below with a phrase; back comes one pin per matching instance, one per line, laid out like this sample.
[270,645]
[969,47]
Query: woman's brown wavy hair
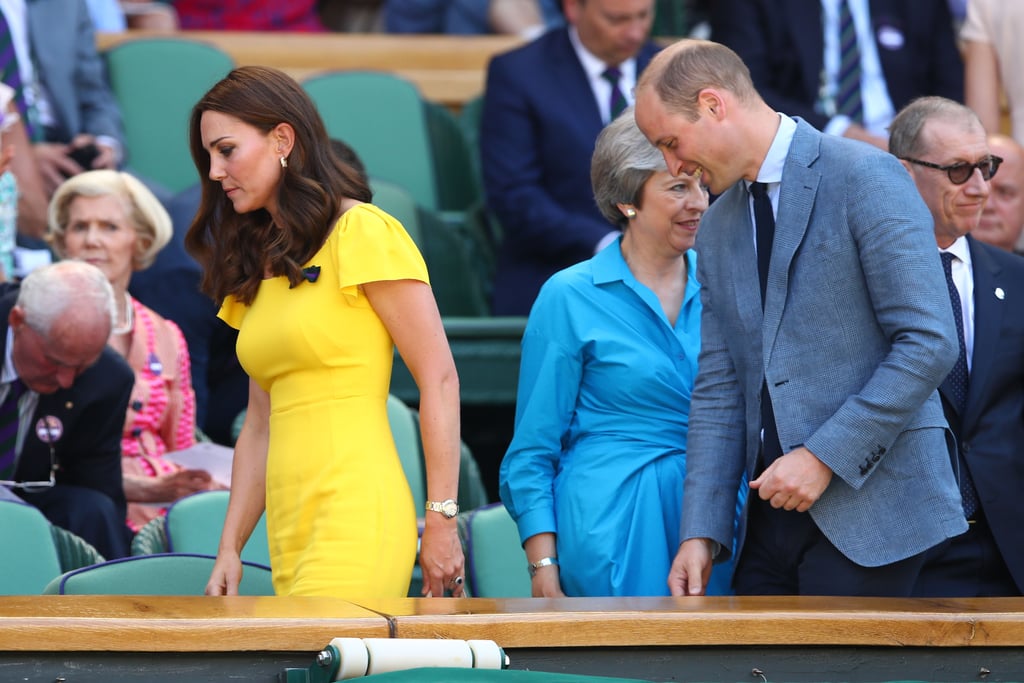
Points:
[236,249]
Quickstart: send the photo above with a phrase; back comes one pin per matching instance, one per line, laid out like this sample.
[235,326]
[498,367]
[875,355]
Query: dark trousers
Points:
[966,566]
[785,553]
[87,513]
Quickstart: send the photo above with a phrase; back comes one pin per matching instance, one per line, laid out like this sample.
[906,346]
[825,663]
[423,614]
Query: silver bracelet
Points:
[532,567]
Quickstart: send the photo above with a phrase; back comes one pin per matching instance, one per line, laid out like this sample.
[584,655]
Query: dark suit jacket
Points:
[991,430]
[92,412]
[782,43]
[63,45]
[537,133]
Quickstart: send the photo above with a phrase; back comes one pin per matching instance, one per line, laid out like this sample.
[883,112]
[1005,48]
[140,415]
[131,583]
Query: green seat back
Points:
[163,574]
[458,184]
[381,117]
[405,429]
[454,277]
[193,525]
[400,204]
[156,81]
[495,560]
[31,559]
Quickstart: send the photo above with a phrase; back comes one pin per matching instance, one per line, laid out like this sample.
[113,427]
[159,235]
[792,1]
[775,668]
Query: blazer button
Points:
[965,446]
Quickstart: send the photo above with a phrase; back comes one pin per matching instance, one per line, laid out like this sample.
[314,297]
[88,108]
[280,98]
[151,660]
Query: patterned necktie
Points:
[617,101]
[848,97]
[10,73]
[9,428]
[958,383]
[764,220]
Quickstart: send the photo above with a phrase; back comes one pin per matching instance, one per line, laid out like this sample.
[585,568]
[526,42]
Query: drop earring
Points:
[284,162]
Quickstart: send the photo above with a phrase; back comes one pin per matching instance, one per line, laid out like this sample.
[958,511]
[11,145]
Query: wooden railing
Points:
[447,69]
[725,638]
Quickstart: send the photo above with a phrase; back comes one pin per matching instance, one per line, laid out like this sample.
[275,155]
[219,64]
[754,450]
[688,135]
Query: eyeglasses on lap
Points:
[36,486]
[960,172]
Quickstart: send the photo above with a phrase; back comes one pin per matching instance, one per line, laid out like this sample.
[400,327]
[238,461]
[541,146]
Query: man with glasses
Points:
[944,147]
[60,432]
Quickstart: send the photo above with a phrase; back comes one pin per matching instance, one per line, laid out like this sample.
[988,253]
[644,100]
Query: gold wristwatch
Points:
[449,508]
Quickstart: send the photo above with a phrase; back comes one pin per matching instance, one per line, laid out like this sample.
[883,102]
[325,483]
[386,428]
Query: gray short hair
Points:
[623,161]
[48,291]
[906,128]
[147,215]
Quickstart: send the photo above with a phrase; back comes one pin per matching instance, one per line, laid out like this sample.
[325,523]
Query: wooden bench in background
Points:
[447,69]
[111,638]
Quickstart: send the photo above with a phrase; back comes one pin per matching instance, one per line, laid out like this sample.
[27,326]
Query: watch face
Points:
[449,508]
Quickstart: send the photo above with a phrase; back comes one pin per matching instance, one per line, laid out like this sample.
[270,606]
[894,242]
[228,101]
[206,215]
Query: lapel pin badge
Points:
[49,429]
[1000,294]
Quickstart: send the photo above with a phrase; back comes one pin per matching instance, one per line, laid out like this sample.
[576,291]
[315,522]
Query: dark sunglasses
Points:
[959,173]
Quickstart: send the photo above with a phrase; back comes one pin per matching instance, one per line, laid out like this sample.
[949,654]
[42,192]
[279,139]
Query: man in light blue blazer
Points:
[852,480]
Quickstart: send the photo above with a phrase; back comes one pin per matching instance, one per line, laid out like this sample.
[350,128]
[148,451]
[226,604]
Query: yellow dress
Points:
[340,517]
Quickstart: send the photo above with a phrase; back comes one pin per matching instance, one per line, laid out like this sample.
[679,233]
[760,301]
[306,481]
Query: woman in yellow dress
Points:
[322,287]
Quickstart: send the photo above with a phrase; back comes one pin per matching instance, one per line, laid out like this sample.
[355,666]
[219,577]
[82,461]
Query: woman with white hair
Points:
[109,219]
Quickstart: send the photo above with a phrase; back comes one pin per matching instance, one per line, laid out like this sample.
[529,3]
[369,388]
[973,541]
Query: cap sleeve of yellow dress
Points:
[372,246]
[232,311]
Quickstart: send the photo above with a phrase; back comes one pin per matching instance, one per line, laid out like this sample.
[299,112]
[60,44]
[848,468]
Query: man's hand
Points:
[793,482]
[691,569]
[858,132]
[54,164]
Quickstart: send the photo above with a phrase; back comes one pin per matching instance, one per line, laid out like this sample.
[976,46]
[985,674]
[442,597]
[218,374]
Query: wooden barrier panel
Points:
[446,69]
[107,638]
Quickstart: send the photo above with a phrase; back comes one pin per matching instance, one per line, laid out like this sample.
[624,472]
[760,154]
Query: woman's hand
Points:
[441,558]
[166,488]
[226,574]
[546,584]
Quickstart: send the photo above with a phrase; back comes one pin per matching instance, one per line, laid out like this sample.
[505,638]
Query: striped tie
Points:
[848,100]
[10,73]
[617,102]
[9,428]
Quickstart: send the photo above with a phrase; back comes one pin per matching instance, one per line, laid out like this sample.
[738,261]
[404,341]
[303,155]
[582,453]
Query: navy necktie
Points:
[958,380]
[764,219]
[617,101]
[9,428]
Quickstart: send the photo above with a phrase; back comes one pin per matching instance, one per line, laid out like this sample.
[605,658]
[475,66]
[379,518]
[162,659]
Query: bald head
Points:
[61,324]
[1002,220]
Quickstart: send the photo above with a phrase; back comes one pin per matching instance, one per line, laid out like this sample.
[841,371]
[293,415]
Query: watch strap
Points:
[532,567]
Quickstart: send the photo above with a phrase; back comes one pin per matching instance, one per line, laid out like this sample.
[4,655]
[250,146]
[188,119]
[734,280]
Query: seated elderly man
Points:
[63,397]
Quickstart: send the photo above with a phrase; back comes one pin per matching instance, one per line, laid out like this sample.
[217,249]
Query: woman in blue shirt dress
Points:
[594,473]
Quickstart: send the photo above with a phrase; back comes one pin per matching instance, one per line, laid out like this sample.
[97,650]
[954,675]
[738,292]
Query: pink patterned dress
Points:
[161,412]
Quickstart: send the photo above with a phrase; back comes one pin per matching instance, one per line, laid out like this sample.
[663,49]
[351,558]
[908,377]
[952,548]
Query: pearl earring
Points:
[284,162]
[630,213]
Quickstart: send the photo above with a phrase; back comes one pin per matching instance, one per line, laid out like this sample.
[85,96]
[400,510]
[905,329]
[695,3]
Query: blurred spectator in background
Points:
[544,105]
[527,18]
[248,15]
[1002,221]
[993,58]
[799,59]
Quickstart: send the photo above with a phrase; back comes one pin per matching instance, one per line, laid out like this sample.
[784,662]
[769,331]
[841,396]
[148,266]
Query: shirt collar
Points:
[593,65]
[960,249]
[775,161]
[9,374]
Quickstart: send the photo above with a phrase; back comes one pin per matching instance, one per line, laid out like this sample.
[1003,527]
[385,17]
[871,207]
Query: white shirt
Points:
[594,67]
[770,172]
[878,107]
[963,278]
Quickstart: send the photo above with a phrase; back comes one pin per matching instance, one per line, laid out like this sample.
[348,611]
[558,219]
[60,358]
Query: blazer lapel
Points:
[798,190]
[989,309]
[570,83]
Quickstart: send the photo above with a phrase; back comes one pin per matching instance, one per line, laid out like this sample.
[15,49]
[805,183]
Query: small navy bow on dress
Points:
[311,273]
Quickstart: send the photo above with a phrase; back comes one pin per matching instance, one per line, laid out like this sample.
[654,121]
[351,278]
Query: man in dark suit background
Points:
[986,410]
[906,49]
[66,458]
[544,105]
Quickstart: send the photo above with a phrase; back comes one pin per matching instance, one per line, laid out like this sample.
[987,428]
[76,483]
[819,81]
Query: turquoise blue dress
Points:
[599,451]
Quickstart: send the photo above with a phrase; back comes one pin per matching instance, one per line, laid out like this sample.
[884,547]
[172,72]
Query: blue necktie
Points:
[9,428]
[958,383]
